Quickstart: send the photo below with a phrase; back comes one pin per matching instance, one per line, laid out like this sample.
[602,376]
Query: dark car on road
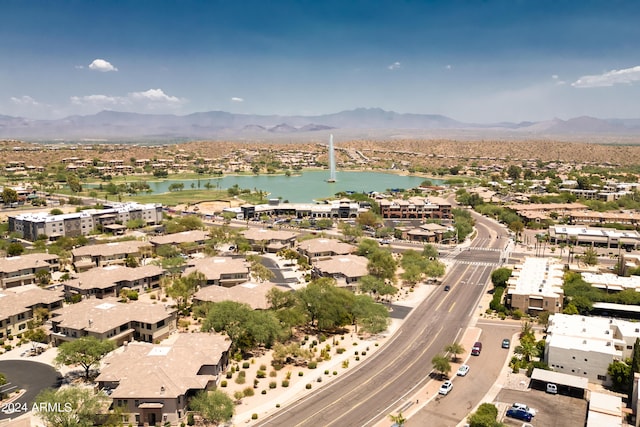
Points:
[519,414]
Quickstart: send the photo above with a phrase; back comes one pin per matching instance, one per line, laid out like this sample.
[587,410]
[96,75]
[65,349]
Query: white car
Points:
[446,387]
[524,408]
[462,370]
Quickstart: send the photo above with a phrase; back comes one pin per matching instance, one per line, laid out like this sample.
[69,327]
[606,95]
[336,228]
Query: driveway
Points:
[30,376]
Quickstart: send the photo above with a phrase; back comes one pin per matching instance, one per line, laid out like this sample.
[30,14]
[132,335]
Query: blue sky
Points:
[474,61]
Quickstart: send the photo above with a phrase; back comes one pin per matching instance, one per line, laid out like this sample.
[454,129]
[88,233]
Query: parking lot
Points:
[552,410]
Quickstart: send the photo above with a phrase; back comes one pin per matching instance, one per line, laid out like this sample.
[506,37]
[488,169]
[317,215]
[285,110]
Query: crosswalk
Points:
[478,263]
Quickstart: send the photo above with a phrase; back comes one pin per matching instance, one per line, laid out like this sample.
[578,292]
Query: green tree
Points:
[80,406]
[74,183]
[382,265]
[56,211]
[590,256]
[350,232]
[368,219]
[430,251]
[367,248]
[500,277]
[373,317]
[441,365]
[621,374]
[9,195]
[399,419]
[455,349]
[485,416]
[183,288]
[375,286]
[326,305]
[259,271]
[14,249]
[215,406]
[85,351]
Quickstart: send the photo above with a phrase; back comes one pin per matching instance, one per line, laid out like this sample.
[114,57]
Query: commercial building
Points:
[536,286]
[586,346]
[32,225]
[322,247]
[595,237]
[267,240]
[347,270]
[416,208]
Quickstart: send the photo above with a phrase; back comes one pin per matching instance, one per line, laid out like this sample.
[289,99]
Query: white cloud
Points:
[98,100]
[236,99]
[25,100]
[555,77]
[394,66]
[448,67]
[610,78]
[156,96]
[102,65]
[152,99]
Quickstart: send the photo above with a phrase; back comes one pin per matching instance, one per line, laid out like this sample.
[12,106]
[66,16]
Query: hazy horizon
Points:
[481,62]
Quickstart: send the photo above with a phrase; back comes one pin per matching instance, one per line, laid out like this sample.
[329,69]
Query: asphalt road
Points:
[449,410]
[390,377]
[31,376]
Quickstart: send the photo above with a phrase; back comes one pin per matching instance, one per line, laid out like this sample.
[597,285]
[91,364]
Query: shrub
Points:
[273,374]
[289,375]
[357,358]
[345,363]
[300,373]
[335,372]
[326,372]
[356,353]
[314,343]
[364,353]
[277,405]
[229,374]
[254,416]
[223,383]
[322,338]
[263,367]
[248,392]
[517,314]
[340,350]
[245,365]
[7,347]
[240,379]
[308,386]
[261,374]
[277,365]
[285,383]
[190,420]
[273,384]
[312,365]
[263,392]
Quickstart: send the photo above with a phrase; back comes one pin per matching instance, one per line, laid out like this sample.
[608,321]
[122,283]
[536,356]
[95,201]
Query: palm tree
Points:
[398,419]
[455,349]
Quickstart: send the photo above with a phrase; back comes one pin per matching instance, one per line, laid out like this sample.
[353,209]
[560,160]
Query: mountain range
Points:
[360,122]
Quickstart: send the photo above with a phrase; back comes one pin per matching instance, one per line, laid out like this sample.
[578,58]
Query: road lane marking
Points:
[452,305]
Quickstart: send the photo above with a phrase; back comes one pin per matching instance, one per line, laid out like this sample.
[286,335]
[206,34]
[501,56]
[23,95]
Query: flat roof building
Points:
[536,286]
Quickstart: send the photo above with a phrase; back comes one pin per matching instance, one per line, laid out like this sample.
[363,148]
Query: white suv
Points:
[524,407]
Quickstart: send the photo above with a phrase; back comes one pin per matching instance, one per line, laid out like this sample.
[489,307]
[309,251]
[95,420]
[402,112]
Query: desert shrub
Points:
[273,374]
[261,374]
[273,384]
[248,392]
[223,383]
[308,386]
[312,365]
[285,383]
[254,416]
[245,365]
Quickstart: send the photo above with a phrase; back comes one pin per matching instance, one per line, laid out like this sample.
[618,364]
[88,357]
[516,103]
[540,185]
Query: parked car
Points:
[446,387]
[506,343]
[476,349]
[524,408]
[552,388]
[519,414]
[462,370]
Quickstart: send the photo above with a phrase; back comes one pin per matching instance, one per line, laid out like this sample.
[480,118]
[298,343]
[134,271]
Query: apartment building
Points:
[153,383]
[586,346]
[23,270]
[416,208]
[32,225]
[102,282]
[110,319]
[187,241]
[536,286]
[314,249]
[220,271]
[268,240]
[113,253]
[17,307]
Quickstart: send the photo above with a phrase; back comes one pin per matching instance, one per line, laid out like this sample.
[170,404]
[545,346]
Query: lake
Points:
[308,186]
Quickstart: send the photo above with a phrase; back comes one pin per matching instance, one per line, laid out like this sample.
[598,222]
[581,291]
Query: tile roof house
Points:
[253,294]
[110,319]
[109,281]
[21,270]
[346,269]
[267,240]
[220,271]
[112,253]
[153,383]
[188,241]
[17,307]
[322,247]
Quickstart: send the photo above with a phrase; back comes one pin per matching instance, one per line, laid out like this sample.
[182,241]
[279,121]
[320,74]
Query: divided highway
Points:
[384,382]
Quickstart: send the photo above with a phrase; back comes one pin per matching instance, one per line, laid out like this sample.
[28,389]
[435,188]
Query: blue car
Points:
[519,414]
